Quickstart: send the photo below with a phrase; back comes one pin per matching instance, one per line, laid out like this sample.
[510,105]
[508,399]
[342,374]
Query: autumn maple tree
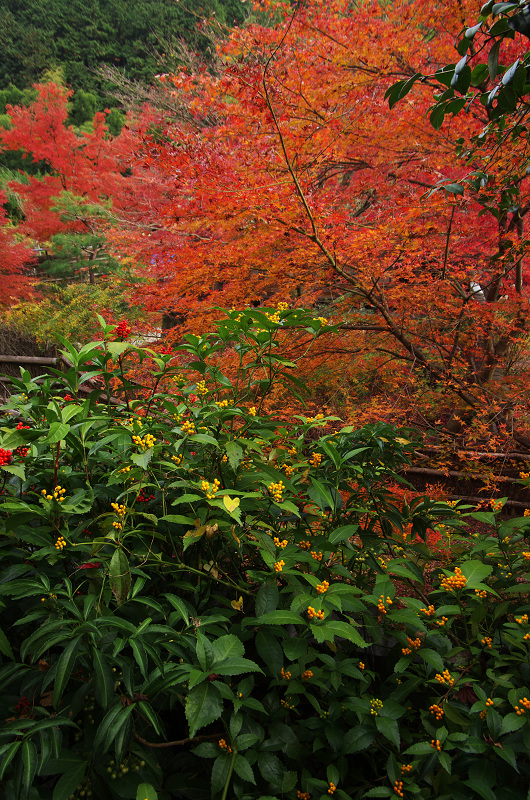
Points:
[81,185]
[290,178]
[14,258]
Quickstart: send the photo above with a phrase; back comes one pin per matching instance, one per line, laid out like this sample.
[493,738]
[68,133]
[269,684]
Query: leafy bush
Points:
[201,600]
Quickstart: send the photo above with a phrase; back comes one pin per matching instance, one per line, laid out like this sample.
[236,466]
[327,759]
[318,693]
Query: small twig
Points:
[178,742]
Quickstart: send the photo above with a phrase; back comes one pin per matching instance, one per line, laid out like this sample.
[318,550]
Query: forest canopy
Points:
[78,36]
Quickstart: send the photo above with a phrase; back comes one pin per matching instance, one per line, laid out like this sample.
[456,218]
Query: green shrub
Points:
[201,600]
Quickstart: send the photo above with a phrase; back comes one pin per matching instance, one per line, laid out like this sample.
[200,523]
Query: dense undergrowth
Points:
[199,599]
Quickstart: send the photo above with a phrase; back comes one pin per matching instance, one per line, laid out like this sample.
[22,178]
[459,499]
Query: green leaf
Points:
[146,710]
[475,572]
[103,679]
[227,646]
[419,749]
[481,787]
[512,722]
[203,706]
[327,631]
[433,658]
[294,648]
[29,761]
[146,791]
[220,773]
[445,761]
[501,8]
[470,32]
[493,60]
[119,576]
[389,729]
[15,469]
[235,452]
[117,349]
[342,533]
[453,188]
[69,782]
[142,459]
[8,756]
[206,750]
[320,495]
[179,606]
[58,431]
[357,739]
[509,74]
[243,769]
[139,655]
[271,769]
[478,75]
[276,618]
[400,90]
[177,519]
[65,665]
[5,647]
[110,725]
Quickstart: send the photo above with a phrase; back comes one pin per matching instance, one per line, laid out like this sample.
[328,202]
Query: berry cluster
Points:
[58,494]
[6,457]
[276,489]
[381,604]
[437,711]
[146,443]
[143,497]
[315,459]
[414,644]
[445,677]
[456,581]
[523,708]
[122,330]
[210,488]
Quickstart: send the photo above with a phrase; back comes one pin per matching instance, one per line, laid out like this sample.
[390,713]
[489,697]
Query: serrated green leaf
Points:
[389,729]
[142,459]
[203,706]
[475,572]
[327,631]
[271,769]
[228,646]
[243,769]
[512,722]
[235,453]
[281,617]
